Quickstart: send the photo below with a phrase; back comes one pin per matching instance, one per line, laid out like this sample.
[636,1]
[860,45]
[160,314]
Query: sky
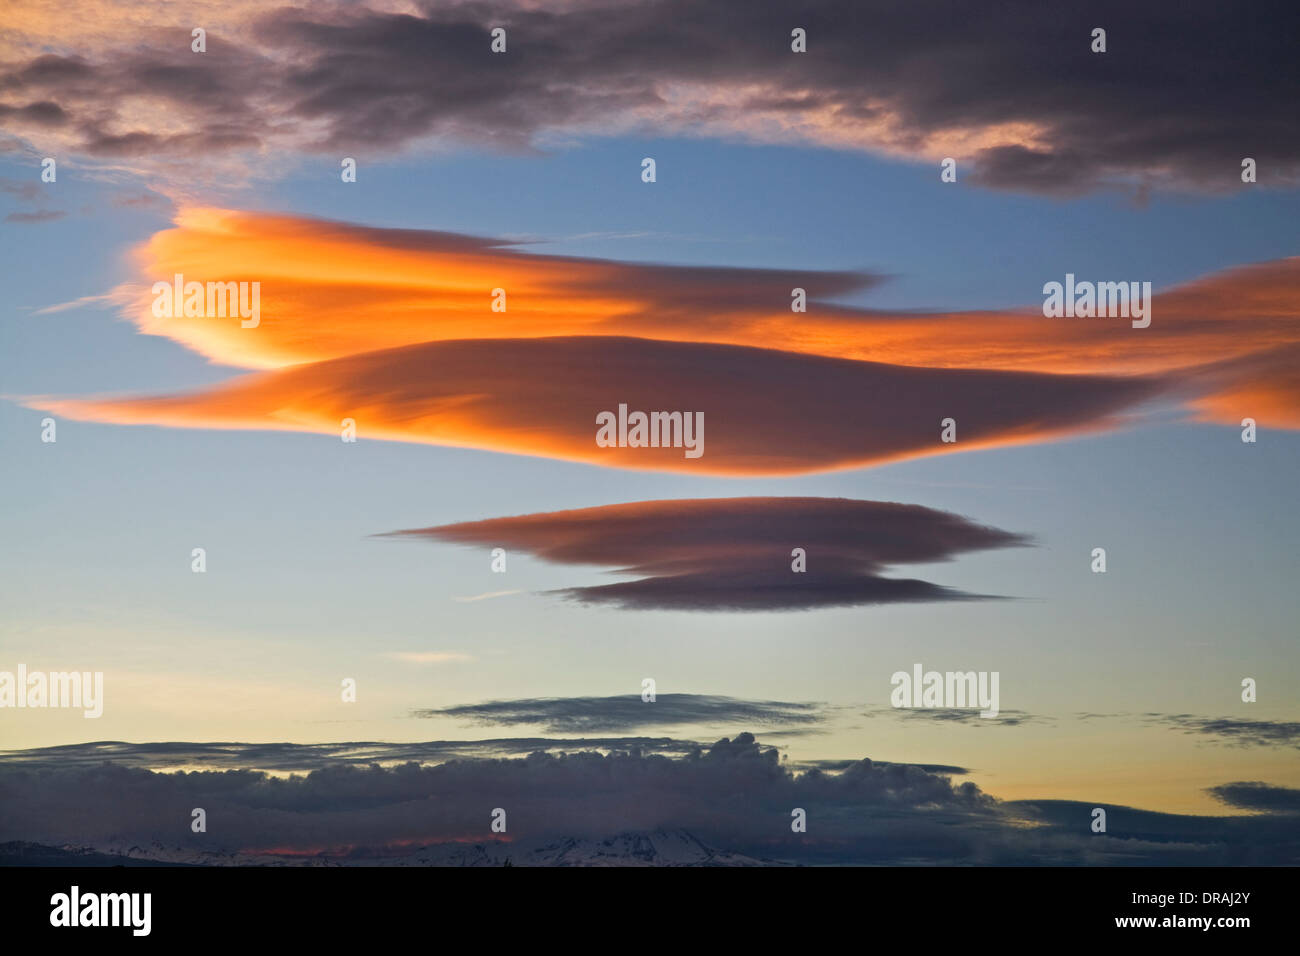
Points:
[372,560]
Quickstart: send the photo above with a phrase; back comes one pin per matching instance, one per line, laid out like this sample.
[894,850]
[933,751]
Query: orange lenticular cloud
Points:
[764,412]
[394,329]
[331,289]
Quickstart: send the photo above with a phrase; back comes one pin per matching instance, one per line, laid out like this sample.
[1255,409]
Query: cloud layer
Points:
[544,397]
[1260,797]
[735,554]
[969,717]
[332,289]
[394,329]
[735,796]
[1234,731]
[584,715]
[1012,91]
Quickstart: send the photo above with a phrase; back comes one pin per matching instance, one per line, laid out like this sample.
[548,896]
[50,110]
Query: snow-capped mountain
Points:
[653,848]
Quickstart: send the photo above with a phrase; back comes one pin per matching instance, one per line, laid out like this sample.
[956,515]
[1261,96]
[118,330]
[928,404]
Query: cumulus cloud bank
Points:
[735,795]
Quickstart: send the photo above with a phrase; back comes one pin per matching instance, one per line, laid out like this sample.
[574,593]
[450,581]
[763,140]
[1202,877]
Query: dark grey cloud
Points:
[1005,718]
[801,733]
[734,554]
[1232,730]
[1179,98]
[41,114]
[750,590]
[1253,795]
[301,758]
[1148,837]
[729,802]
[583,715]
[213,98]
[838,765]
[733,794]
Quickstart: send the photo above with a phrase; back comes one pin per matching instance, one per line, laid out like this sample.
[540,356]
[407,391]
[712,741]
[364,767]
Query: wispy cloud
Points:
[1233,731]
[485,596]
[586,715]
[970,716]
[25,190]
[108,298]
[36,216]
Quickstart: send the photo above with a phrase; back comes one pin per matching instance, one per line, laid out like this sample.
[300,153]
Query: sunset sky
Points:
[329,560]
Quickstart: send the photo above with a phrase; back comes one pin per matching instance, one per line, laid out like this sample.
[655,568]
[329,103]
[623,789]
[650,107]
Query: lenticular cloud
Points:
[739,554]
